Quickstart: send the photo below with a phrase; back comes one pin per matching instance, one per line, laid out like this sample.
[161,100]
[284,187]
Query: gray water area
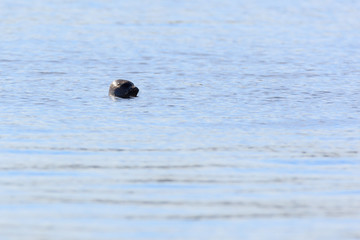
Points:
[247,124]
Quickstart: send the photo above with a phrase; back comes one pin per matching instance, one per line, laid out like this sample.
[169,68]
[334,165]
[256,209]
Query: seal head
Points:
[123,88]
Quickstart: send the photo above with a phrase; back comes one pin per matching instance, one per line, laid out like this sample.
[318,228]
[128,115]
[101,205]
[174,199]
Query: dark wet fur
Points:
[123,88]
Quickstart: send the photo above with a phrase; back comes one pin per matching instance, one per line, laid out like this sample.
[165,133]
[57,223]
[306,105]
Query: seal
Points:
[123,88]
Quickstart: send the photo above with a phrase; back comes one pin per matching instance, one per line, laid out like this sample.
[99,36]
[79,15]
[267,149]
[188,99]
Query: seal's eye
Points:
[126,85]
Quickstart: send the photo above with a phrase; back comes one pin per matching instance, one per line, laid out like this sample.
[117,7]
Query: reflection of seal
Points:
[123,88]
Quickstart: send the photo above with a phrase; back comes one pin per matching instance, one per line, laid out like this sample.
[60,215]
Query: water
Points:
[246,125]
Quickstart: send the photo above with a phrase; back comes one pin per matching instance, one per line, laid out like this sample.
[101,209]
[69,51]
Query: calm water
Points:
[247,124]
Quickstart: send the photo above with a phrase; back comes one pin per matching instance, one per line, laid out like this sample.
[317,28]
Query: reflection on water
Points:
[246,124]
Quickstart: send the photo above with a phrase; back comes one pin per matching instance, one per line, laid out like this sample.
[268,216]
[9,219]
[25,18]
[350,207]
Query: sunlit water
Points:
[246,126]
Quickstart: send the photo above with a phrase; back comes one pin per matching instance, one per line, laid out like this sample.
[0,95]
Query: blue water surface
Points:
[246,126]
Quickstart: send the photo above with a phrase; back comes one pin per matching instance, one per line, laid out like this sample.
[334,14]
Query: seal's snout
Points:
[134,91]
[123,88]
